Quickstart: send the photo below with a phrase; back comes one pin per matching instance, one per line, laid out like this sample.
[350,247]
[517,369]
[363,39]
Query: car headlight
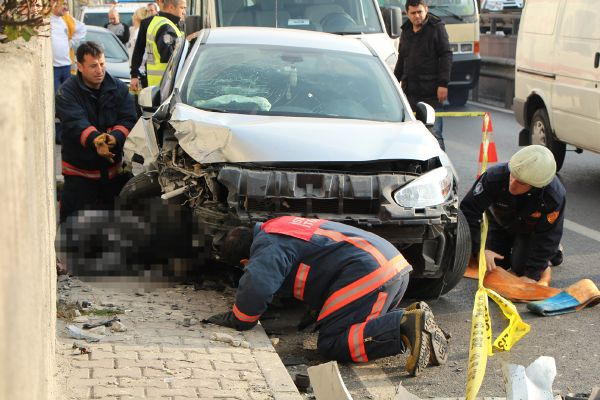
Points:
[430,189]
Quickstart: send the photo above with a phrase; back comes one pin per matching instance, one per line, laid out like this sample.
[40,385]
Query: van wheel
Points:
[455,263]
[458,97]
[541,133]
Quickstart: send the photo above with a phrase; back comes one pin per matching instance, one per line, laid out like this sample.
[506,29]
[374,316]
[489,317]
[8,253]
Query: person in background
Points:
[152,9]
[424,61]
[139,15]
[157,38]
[65,32]
[96,112]
[525,204]
[115,25]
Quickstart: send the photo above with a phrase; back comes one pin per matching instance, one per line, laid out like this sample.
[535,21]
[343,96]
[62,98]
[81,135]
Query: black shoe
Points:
[557,259]
[415,338]
[438,338]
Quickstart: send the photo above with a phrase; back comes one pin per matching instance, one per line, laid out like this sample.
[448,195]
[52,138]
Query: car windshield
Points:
[113,51]
[291,81]
[101,18]
[332,16]
[442,8]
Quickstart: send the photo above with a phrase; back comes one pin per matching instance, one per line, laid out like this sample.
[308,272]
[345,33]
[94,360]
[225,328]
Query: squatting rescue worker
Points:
[96,112]
[424,60]
[157,38]
[525,204]
[353,279]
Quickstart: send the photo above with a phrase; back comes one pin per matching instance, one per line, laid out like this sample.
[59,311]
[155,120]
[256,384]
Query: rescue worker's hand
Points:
[111,141]
[490,259]
[134,84]
[442,94]
[103,148]
[224,319]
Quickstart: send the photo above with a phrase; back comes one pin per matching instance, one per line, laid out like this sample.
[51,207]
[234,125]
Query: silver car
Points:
[254,123]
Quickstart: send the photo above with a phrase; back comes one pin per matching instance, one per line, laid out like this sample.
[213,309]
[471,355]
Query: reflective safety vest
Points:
[154,68]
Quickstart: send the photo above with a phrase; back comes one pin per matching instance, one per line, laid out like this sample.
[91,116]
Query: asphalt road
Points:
[573,339]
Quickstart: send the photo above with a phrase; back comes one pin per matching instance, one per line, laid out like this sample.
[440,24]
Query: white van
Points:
[557,98]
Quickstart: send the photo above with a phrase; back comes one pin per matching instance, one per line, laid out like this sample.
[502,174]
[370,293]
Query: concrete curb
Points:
[275,373]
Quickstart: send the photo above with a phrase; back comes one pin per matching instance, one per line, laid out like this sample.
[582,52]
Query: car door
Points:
[576,92]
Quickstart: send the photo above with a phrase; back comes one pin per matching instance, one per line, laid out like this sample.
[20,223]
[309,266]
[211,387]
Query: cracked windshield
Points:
[270,80]
[339,16]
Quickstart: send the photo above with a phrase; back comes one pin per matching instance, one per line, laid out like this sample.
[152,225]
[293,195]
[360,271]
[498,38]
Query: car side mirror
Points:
[392,19]
[425,113]
[149,98]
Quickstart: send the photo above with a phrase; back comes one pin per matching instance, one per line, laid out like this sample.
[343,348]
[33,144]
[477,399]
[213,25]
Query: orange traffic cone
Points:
[487,146]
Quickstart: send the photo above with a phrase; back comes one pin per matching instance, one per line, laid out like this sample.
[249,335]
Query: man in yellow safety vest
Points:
[161,37]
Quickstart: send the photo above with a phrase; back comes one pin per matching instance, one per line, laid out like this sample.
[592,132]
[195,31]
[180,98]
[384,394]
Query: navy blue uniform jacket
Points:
[84,115]
[539,212]
[325,264]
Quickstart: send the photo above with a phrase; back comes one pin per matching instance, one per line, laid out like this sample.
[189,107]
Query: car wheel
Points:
[454,264]
[541,133]
[458,97]
[142,186]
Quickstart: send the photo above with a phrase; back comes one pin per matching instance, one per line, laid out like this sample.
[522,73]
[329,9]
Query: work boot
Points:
[438,339]
[415,338]
[557,258]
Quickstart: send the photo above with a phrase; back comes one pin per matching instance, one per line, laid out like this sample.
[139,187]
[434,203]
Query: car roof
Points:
[94,28]
[125,7]
[285,37]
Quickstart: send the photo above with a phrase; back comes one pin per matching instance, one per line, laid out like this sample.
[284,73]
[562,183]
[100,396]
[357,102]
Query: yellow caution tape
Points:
[460,114]
[481,325]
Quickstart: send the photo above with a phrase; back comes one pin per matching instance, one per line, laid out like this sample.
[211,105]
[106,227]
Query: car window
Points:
[101,18]
[168,79]
[332,16]
[275,80]
[113,50]
[441,8]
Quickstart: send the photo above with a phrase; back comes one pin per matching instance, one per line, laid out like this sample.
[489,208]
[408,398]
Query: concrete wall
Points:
[27,221]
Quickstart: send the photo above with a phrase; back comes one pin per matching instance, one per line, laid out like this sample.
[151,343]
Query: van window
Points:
[540,16]
[578,19]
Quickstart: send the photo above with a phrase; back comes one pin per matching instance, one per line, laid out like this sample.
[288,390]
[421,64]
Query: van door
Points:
[576,92]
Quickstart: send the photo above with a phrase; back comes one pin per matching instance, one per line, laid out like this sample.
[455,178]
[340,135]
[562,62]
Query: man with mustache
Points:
[96,113]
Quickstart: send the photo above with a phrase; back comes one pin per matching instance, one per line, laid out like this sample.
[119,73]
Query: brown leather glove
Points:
[103,143]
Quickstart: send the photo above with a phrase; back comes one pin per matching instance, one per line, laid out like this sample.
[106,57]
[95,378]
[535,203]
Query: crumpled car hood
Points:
[210,137]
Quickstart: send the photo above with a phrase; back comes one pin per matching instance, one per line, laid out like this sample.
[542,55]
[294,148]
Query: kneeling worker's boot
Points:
[438,352]
[416,339]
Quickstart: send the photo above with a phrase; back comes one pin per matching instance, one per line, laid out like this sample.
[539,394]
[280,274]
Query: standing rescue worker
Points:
[157,37]
[354,280]
[424,61]
[96,112]
[525,204]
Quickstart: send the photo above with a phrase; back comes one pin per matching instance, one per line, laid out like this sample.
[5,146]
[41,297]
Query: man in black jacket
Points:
[96,113]
[424,60]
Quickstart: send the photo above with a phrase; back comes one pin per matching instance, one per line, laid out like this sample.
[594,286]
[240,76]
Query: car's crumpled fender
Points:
[142,140]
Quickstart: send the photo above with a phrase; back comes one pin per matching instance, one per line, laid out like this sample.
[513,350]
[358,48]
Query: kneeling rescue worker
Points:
[353,279]
[525,203]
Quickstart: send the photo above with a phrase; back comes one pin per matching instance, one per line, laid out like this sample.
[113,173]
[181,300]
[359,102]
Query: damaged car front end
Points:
[256,126]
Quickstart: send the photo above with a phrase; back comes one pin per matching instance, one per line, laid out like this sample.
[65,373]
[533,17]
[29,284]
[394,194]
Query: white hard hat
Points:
[533,165]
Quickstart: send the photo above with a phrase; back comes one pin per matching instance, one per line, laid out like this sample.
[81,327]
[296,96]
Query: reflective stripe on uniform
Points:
[68,169]
[356,342]
[300,281]
[121,129]
[85,133]
[378,306]
[244,317]
[154,67]
[363,286]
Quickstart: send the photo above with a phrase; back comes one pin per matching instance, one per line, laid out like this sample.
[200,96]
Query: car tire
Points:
[541,133]
[141,186]
[458,97]
[455,263]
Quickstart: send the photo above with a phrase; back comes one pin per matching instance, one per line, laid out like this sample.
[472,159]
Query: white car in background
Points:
[256,123]
[98,15]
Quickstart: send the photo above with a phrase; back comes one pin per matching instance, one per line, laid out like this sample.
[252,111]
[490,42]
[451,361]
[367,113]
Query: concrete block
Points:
[103,391]
[186,392]
[128,372]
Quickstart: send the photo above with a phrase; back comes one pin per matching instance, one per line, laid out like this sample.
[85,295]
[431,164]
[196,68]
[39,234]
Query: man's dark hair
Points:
[414,3]
[236,245]
[91,48]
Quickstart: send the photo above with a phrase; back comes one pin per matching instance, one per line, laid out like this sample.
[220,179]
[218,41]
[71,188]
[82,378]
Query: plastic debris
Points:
[531,383]
[80,334]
